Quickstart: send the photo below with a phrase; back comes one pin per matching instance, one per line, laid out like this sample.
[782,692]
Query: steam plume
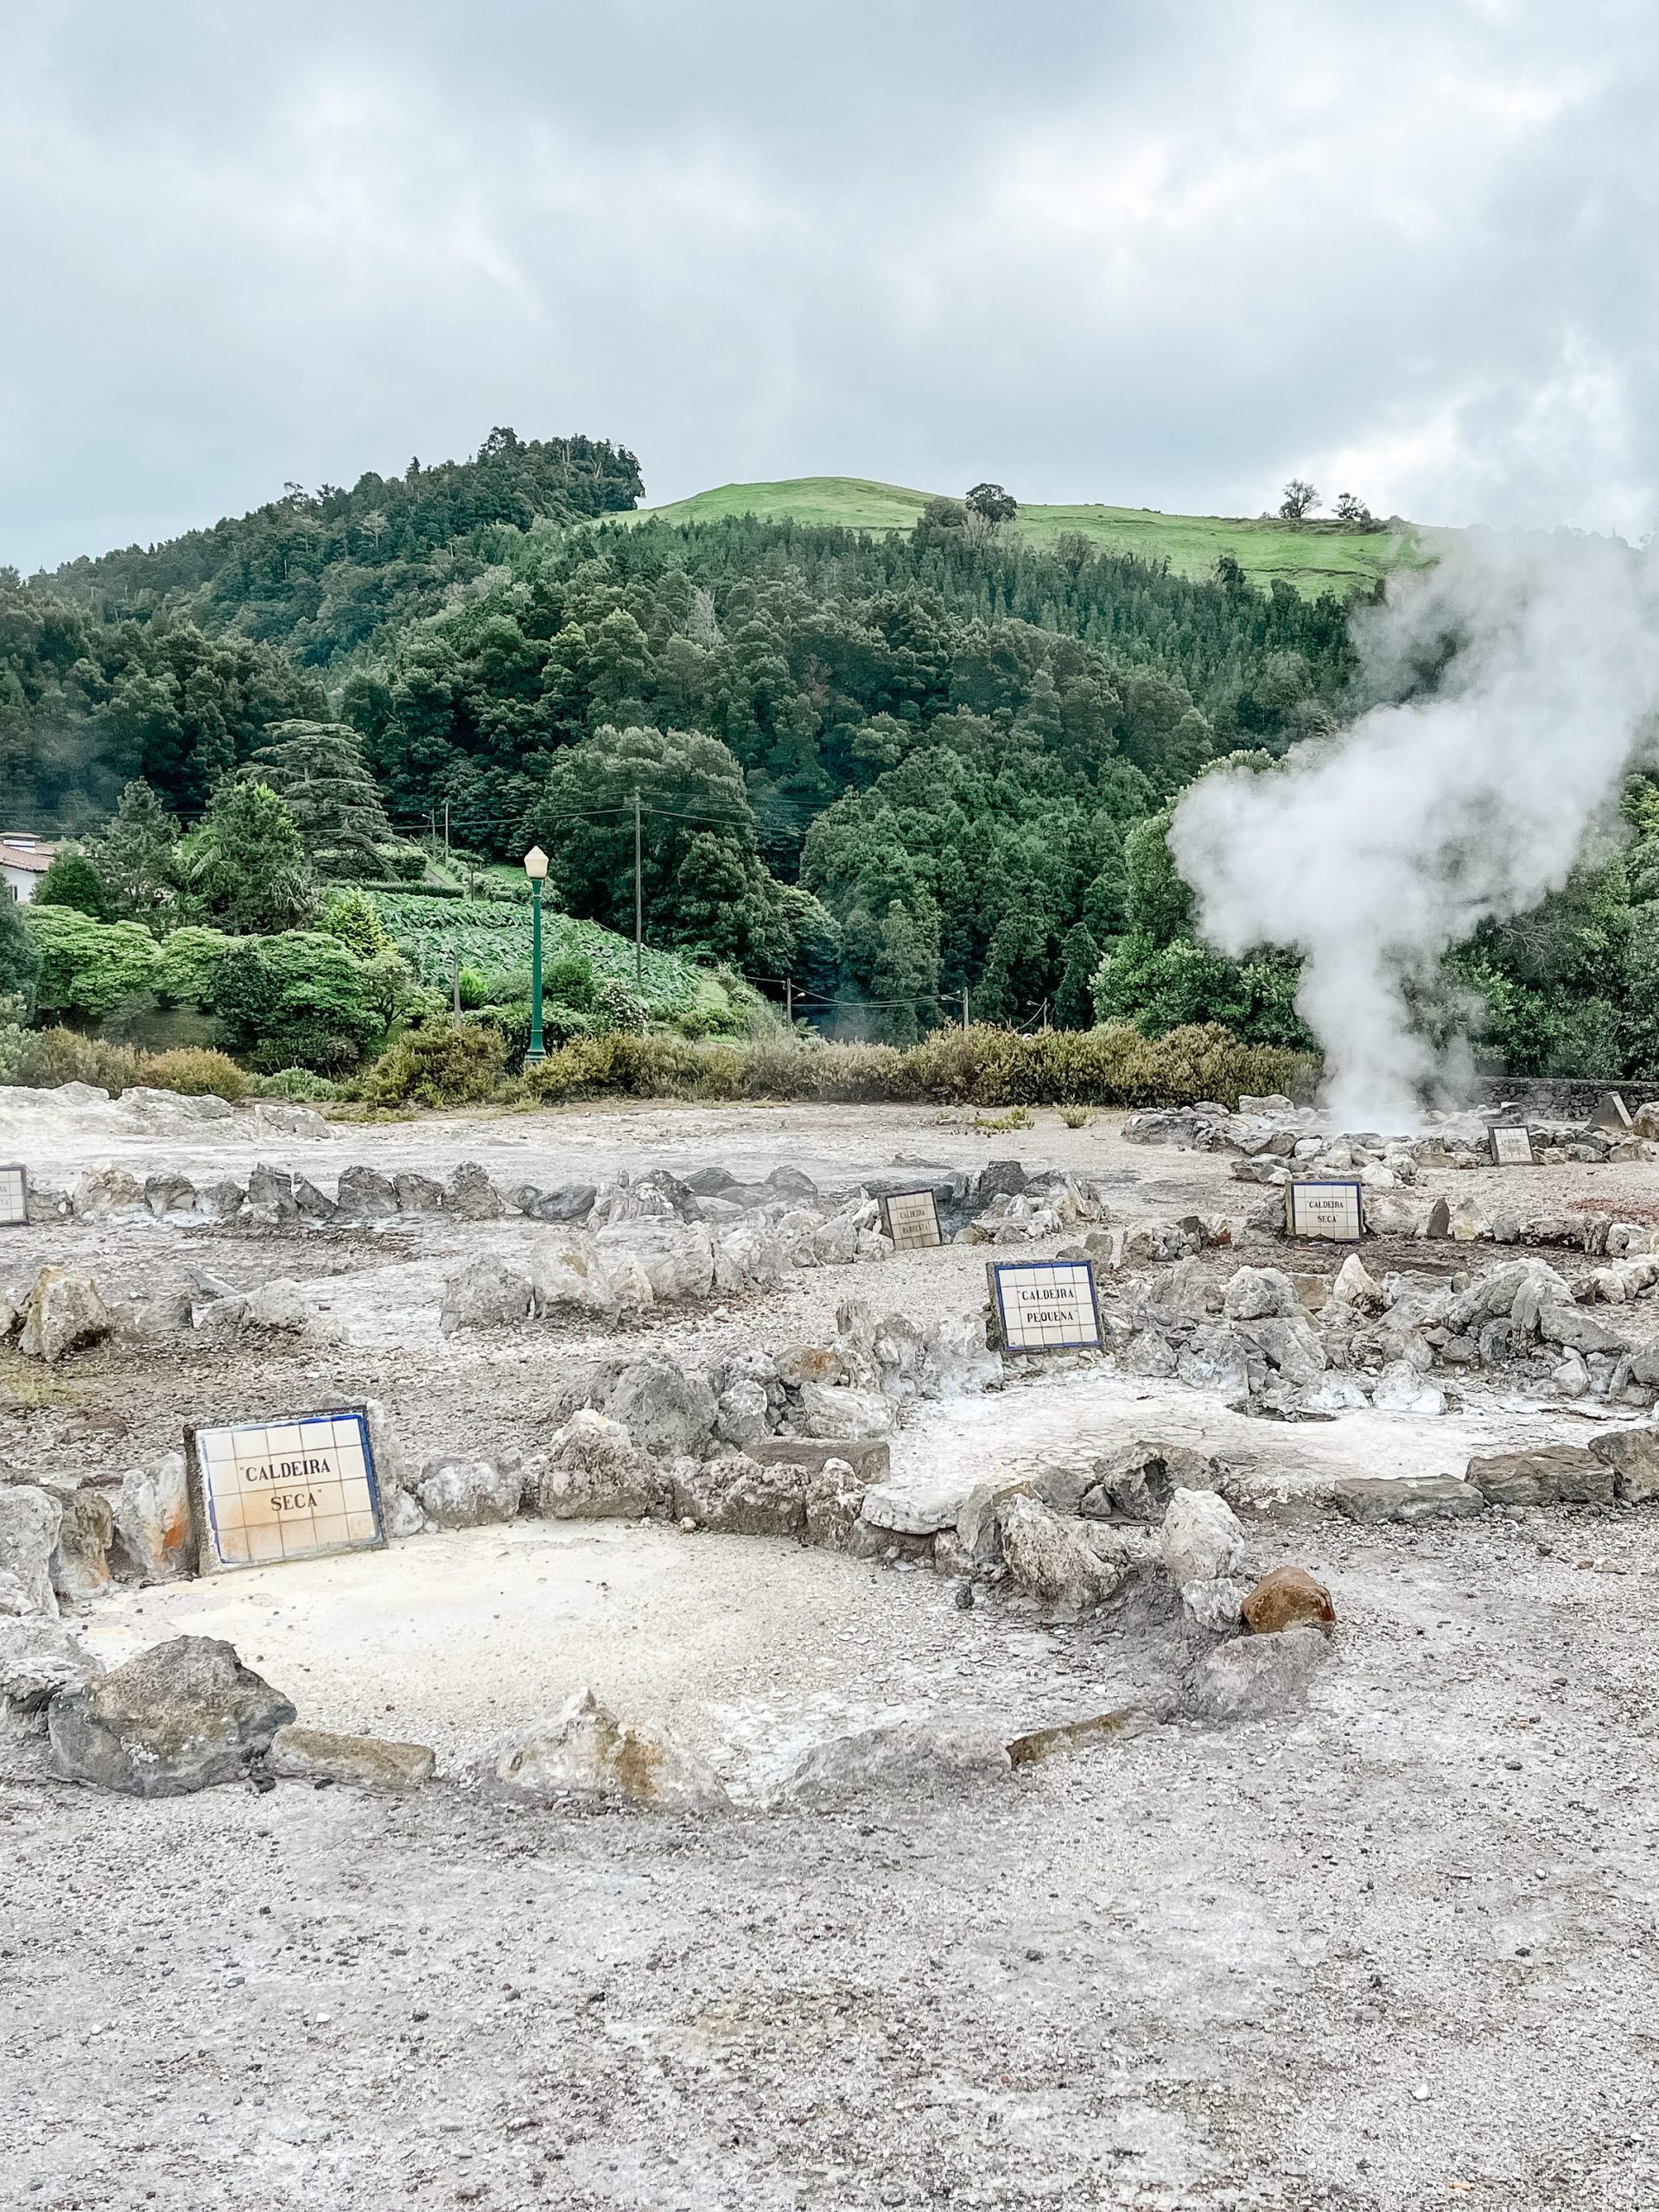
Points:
[1373,852]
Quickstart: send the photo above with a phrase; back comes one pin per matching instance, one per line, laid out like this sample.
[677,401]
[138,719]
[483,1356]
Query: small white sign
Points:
[1327,1210]
[912,1220]
[290,1490]
[1046,1305]
[1611,1114]
[1512,1148]
[14,1197]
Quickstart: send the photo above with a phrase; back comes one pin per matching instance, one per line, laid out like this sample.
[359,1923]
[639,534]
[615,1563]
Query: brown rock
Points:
[1288,1598]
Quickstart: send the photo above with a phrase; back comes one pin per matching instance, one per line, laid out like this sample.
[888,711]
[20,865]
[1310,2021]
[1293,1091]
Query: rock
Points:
[1555,1474]
[487,1293]
[182,1716]
[270,1199]
[667,1411]
[583,1751]
[1401,1388]
[38,1660]
[1288,1598]
[15,1603]
[417,1193]
[737,1497]
[843,1413]
[746,1257]
[1571,1378]
[566,1271]
[62,1311]
[677,1258]
[1291,1347]
[1633,1454]
[310,1203]
[1388,1214]
[1356,1288]
[1258,1294]
[359,1762]
[591,1471]
[741,1416]
[468,1493]
[29,1521]
[153,1539]
[220,1201]
[1576,1329]
[562,1202]
[107,1194]
[80,1563]
[956,1361]
[471,1195]
[870,1458]
[918,1509]
[1137,1480]
[978,1530]
[403,1517]
[902,1759]
[365,1196]
[1410,1498]
[800,1365]
[1052,1559]
[170,1194]
[1256,1675]
[834,1500]
[1200,1539]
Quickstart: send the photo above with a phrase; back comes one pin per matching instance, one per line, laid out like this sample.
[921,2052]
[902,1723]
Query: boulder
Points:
[61,1312]
[270,1203]
[566,1271]
[741,1417]
[1137,1480]
[800,1365]
[870,1458]
[1256,1675]
[1258,1295]
[1355,1287]
[80,1562]
[1554,1474]
[834,1500]
[166,1195]
[359,1762]
[468,1493]
[471,1195]
[1633,1455]
[38,1660]
[907,1759]
[108,1194]
[29,1521]
[737,1497]
[560,1202]
[182,1716]
[582,1751]
[417,1193]
[364,1195]
[1288,1598]
[1400,1387]
[843,1413]
[747,1256]
[1200,1539]
[675,1257]
[489,1292]
[978,1533]
[668,1411]
[154,1538]
[591,1471]
[1406,1498]
[1577,1330]
[220,1201]
[1054,1559]
[913,1508]
[310,1203]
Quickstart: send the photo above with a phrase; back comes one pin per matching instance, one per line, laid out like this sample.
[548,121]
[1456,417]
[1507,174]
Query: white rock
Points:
[1400,1388]
[468,1493]
[565,1270]
[29,1521]
[675,1257]
[903,1758]
[152,1522]
[743,1409]
[489,1292]
[1201,1539]
[833,1413]
[583,1751]
[591,1471]
[1256,1675]
[1357,1287]
[1258,1294]
[61,1312]
[1054,1559]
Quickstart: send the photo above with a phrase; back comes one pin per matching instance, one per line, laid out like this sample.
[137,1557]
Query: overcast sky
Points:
[1153,254]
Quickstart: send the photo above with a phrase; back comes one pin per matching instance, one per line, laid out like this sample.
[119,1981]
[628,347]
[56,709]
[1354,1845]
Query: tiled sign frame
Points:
[14,1195]
[1514,1139]
[1003,1275]
[1294,1226]
[904,1234]
[217,1506]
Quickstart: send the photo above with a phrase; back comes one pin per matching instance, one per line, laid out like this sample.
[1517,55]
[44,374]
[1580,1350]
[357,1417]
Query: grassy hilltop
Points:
[1312,556]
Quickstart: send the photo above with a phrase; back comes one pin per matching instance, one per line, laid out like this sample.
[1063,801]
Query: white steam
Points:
[1373,852]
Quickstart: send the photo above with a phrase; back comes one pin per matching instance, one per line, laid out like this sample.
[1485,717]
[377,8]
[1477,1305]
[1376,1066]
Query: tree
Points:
[1352,510]
[1299,500]
[301,1000]
[136,855]
[1074,1005]
[316,769]
[1158,901]
[20,957]
[246,867]
[87,968]
[992,505]
[352,916]
[72,881]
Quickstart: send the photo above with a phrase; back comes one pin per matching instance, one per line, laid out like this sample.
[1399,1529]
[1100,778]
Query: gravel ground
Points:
[1394,1950]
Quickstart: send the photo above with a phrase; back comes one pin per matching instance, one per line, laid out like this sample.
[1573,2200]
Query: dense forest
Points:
[891,769]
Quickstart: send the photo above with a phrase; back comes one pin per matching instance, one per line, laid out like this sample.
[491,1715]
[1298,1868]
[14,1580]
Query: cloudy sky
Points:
[1134,251]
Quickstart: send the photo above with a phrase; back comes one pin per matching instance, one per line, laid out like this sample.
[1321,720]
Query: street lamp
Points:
[536,869]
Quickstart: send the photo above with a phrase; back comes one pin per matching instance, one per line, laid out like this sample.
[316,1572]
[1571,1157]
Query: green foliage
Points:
[1174,986]
[1074,1007]
[20,957]
[301,1000]
[42,1059]
[299,1084]
[72,881]
[441,1064]
[1157,901]
[247,867]
[87,968]
[316,769]
[189,961]
[352,916]
[196,1072]
[136,855]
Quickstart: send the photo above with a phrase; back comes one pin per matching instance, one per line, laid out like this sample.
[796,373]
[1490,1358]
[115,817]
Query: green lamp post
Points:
[536,869]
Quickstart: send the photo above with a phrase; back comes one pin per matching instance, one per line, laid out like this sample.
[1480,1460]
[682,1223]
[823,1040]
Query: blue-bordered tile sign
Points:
[283,1490]
[14,1197]
[1334,1210]
[1046,1305]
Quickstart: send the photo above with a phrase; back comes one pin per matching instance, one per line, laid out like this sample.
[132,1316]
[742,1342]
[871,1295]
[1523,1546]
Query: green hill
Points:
[1313,556]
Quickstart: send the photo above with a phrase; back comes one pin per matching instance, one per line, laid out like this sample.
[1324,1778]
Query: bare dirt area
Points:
[1389,1943]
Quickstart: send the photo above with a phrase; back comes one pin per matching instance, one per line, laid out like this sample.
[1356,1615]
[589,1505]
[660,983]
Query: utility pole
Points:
[445,833]
[789,1002]
[638,905]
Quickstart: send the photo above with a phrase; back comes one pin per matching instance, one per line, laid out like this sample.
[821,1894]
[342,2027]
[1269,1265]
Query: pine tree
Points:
[1074,1003]
[316,769]
[136,857]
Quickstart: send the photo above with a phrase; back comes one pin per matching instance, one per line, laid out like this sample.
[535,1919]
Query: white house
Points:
[23,860]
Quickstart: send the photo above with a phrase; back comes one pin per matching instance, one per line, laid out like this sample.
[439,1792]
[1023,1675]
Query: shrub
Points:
[72,881]
[188,965]
[87,968]
[301,1000]
[445,1064]
[42,1059]
[352,916]
[197,1073]
[299,1084]
[617,1005]
[20,959]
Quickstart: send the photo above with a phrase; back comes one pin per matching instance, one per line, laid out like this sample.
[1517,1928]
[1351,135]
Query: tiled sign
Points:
[1328,1210]
[1511,1148]
[14,1197]
[289,1490]
[912,1220]
[1046,1305]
